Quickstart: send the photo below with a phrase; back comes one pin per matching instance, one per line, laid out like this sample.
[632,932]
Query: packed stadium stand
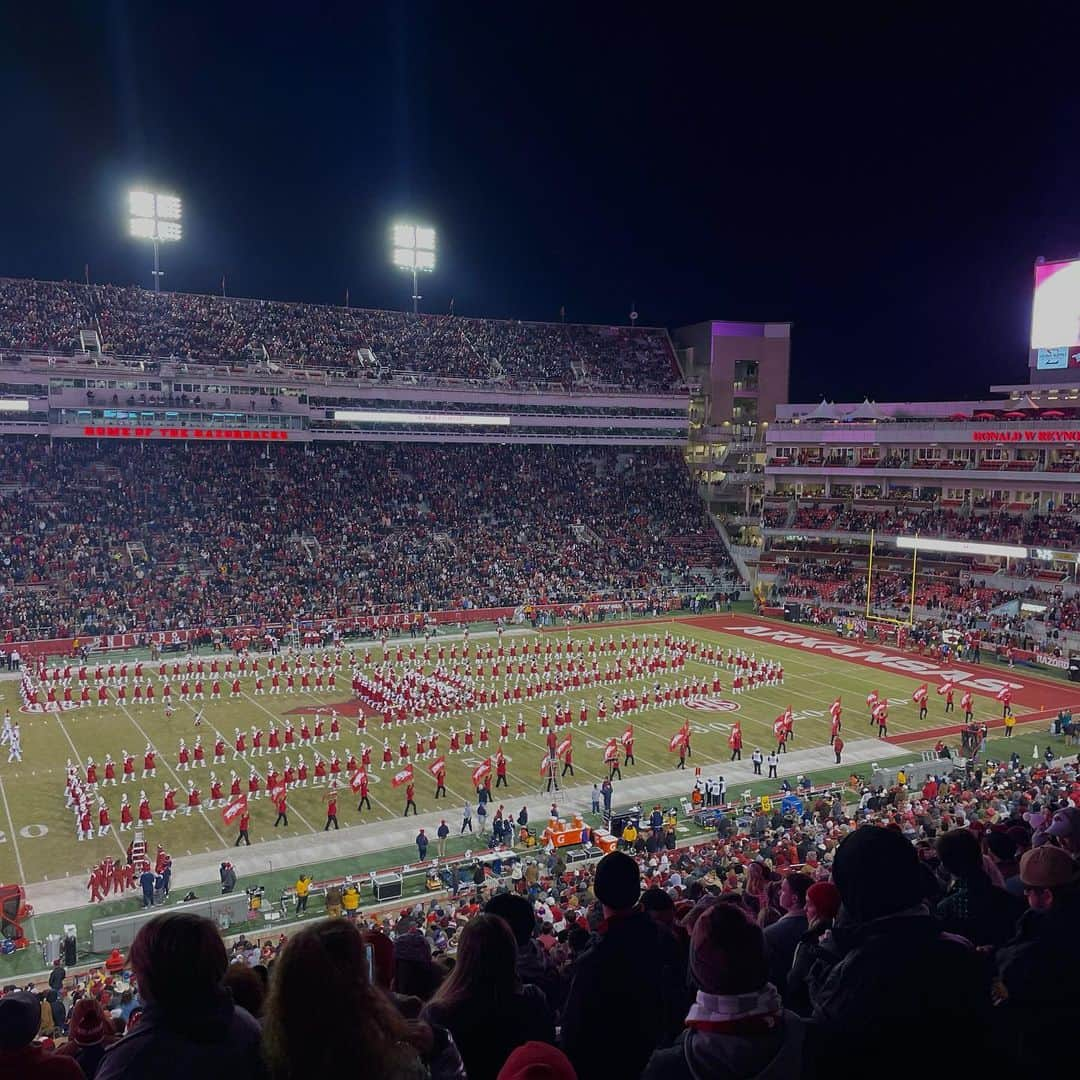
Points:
[159,537]
[48,317]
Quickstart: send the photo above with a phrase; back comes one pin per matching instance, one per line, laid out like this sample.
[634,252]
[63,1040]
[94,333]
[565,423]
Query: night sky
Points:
[885,185]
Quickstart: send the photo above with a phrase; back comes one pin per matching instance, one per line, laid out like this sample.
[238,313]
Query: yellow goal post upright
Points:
[873,617]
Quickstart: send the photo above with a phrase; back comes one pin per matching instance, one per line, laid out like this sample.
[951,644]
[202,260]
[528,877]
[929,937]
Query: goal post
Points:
[889,620]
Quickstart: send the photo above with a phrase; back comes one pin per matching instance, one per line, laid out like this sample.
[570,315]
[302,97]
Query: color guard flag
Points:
[1003,693]
[235,809]
[565,745]
[677,740]
[357,779]
[438,765]
[481,771]
[403,777]
[546,763]
[944,688]
[611,751]
[626,737]
[277,791]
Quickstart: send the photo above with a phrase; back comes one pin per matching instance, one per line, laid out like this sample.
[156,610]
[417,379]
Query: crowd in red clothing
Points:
[130,537]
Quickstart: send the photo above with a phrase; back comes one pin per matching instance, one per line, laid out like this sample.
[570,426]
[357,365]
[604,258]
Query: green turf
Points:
[38,840]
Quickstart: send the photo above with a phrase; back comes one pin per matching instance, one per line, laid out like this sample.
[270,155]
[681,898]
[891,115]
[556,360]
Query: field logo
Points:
[712,703]
[50,707]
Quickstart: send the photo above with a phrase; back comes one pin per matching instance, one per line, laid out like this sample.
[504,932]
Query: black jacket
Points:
[626,983]
[487,1032]
[873,984]
[211,1040]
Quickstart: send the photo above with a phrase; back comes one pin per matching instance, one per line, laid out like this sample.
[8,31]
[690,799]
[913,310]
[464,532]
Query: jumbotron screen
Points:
[1055,316]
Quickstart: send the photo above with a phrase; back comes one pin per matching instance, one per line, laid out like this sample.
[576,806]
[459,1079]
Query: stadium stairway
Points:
[666,788]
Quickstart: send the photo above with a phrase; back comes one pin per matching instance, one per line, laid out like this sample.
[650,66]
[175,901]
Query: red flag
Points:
[481,770]
[403,777]
[1000,695]
[626,737]
[357,779]
[235,808]
[611,751]
[437,765]
[565,745]
[277,791]
[545,765]
[677,740]
[944,688]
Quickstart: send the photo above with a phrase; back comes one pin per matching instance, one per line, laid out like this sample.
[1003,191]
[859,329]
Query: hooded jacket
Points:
[705,1055]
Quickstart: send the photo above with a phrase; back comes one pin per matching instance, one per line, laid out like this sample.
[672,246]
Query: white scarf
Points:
[713,1008]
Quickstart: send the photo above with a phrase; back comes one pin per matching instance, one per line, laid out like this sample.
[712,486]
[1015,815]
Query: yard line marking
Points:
[78,761]
[175,776]
[15,845]
[279,719]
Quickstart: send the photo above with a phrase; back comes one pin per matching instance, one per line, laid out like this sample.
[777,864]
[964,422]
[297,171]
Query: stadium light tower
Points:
[156,218]
[414,250]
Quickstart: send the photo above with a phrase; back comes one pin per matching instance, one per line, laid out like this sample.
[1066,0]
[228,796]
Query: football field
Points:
[38,837]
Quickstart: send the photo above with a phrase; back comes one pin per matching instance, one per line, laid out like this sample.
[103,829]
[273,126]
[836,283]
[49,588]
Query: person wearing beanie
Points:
[822,905]
[20,1059]
[630,972]
[974,907]
[90,1033]
[1037,969]
[869,984]
[537,1061]
[534,963]
[737,1025]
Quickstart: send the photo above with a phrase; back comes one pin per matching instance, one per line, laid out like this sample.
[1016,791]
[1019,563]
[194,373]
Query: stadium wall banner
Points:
[1026,435]
[217,434]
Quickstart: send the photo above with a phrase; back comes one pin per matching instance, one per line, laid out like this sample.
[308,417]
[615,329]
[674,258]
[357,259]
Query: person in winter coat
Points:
[1036,971]
[871,984]
[737,1026]
[534,964]
[90,1034]
[627,974]
[227,873]
[974,907]
[482,1003]
[20,1059]
[189,1026]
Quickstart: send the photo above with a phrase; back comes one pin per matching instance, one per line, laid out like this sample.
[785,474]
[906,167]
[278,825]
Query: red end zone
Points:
[1029,691]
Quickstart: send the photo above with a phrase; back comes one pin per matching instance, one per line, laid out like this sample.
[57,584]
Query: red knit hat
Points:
[825,897]
[537,1061]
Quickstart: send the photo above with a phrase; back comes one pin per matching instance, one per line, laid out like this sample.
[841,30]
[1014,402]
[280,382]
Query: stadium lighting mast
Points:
[156,218]
[414,250]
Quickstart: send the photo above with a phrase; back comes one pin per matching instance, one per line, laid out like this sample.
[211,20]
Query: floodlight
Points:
[141,204]
[155,218]
[142,228]
[413,249]
[168,207]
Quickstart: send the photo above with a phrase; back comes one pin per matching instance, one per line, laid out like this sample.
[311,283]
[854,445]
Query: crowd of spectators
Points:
[47,317]
[1059,528]
[801,941]
[129,537]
